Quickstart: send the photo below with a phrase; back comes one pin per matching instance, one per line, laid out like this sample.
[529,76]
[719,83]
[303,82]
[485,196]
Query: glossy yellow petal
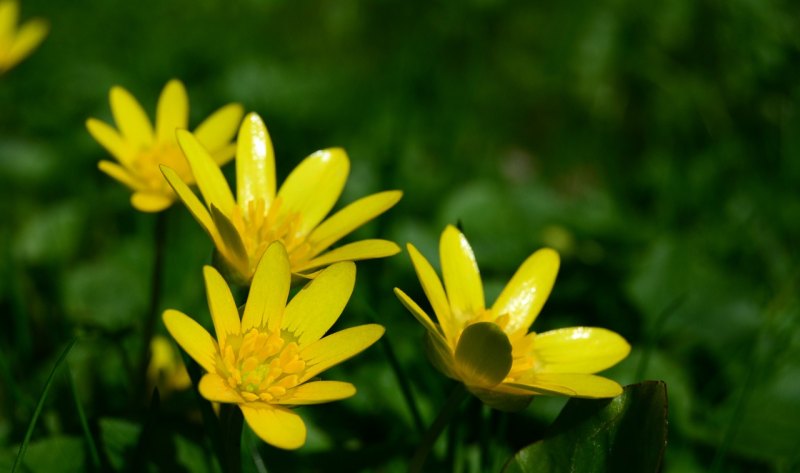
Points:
[255,163]
[338,347]
[223,308]
[320,303]
[461,276]
[432,286]
[120,174]
[351,217]
[269,290]
[172,112]
[526,293]
[192,337]
[483,355]
[215,389]
[209,177]
[222,155]
[356,251]
[318,392]
[275,425]
[27,38]
[150,201]
[217,131]
[418,313]
[130,118]
[196,208]
[111,141]
[569,384]
[232,248]
[578,350]
[314,186]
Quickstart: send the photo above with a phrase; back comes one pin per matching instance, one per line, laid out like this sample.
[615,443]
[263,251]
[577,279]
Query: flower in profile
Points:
[166,370]
[139,148]
[17,43]
[266,361]
[243,227]
[490,349]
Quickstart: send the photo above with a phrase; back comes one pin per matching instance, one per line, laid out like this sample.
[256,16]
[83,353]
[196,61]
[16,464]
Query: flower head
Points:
[16,44]
[265,362]
[166,369]
[139,148]
[243,227]
[490,349]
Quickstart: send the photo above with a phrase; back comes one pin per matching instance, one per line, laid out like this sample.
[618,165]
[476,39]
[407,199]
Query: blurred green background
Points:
[655,145]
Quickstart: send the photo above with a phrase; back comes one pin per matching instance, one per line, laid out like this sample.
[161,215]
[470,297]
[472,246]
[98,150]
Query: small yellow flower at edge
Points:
[490,349]
[139,148]
[243,227]
[166,370]
[16,44]
[265,362]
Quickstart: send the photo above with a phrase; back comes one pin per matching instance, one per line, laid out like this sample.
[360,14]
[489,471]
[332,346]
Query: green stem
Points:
[432,434]
[231,420]
[84,424]
[39,406]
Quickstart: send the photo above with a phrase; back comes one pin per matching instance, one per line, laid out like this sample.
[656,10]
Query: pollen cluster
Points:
[261,365]
[146,166]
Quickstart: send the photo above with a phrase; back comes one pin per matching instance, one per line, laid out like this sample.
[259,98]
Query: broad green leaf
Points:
[626,433]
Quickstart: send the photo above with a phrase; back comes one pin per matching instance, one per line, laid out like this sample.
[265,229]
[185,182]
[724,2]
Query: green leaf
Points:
[626,433]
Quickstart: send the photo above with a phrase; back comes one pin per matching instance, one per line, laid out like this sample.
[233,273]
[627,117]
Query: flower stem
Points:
[432,434]
[84,423]
[231,420]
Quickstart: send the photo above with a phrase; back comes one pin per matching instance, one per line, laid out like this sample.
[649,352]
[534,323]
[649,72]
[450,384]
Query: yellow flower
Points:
[264,363]
[490,349]
[16,44]
[140,149]
[166,370]
[244,227]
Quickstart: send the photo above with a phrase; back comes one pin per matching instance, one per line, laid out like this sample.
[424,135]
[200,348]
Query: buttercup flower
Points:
[139,149]
[490,349]
[16,44]
[166,369]
[244,227]
[265,362]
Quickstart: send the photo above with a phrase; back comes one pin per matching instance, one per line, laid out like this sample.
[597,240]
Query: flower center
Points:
[260,226]
[261,365]
[145,166]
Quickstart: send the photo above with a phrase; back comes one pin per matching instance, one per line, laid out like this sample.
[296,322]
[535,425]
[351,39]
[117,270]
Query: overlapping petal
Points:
[529,288]
[579,350]
[273,278]
[255,163]
[462,279]
[17,43]
[192,337]
[276,425]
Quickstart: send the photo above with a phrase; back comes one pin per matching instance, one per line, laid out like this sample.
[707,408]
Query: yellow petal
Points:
[418,313]
[224,154]
[269,290]
[172,112]
[461,276]
[131,120]
[440,354]
[320,303]
[232,248]
[526,293]
[318,392]
[356,251]
[432,286]
[314,186]
[207,174]
[192,337]
[351,217]
[499,398]
[27,38]
[338,347]
[120,174]
[568,384]
[255,163]
[215,389]
[223,308]
[217,131]
[483,355]
[578,350]
[275,425]
[9,14]
[150,201]
[110,140]
[196,208]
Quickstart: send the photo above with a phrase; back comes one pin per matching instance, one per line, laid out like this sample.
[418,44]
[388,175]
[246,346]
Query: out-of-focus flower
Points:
[139,148]
[490,349]
[243,227]
[265,362]
[166,369]
[17,43]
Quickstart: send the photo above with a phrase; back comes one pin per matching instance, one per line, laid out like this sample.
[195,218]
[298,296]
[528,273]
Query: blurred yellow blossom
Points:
[265,362]
[139,148]
[17,43]
[166,369]
[490,349]
[243,227]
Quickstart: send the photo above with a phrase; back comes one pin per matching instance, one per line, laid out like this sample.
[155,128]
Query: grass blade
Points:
[84,424]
